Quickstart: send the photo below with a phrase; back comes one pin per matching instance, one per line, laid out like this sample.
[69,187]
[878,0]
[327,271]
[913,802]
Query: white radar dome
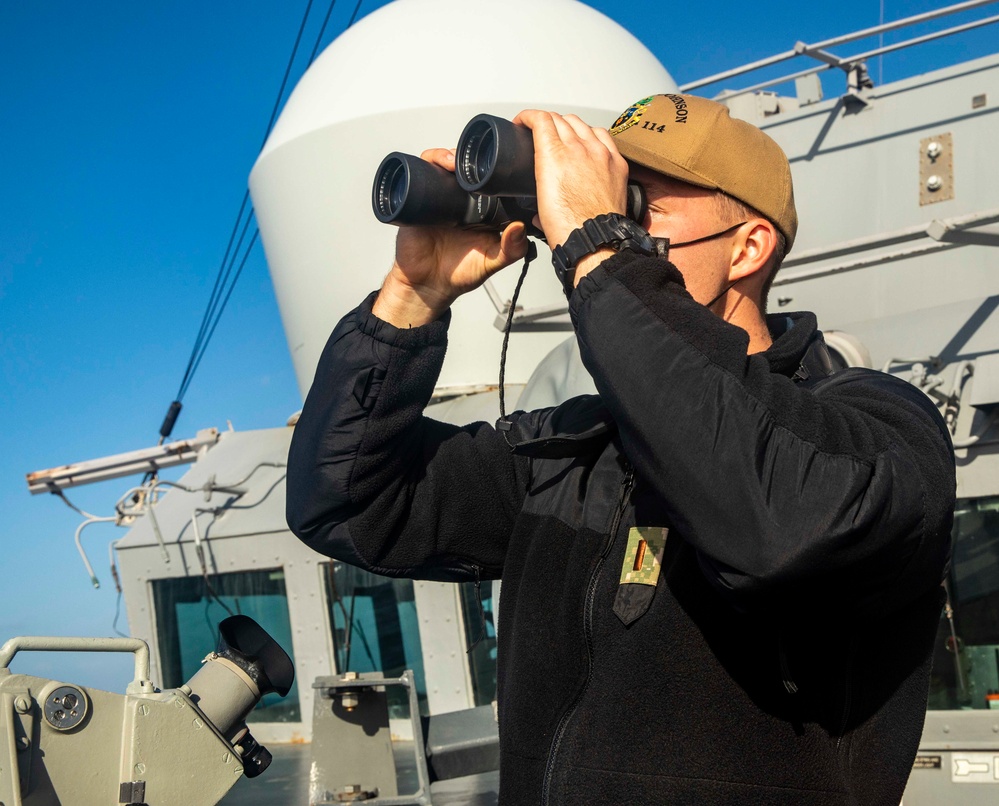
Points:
[406,78]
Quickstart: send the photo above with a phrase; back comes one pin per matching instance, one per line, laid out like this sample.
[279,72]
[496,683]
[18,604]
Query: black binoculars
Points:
[492,186]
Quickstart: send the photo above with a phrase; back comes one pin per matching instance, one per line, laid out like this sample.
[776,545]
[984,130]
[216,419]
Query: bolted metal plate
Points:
[65,708]
[936,169]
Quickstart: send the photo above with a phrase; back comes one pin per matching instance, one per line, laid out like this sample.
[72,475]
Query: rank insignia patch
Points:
[644,555]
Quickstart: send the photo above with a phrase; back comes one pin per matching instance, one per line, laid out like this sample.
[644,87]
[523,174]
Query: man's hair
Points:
[731,209]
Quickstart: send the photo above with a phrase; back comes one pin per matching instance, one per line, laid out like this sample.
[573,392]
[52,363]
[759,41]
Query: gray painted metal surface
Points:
[67,745]
[352,741]
[354,755]
[246,531]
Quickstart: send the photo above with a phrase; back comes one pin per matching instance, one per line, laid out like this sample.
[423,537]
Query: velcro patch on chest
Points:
[644,555]
[639,572]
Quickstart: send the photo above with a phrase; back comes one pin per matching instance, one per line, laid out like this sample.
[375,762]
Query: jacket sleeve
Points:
[373,482]
[846,495]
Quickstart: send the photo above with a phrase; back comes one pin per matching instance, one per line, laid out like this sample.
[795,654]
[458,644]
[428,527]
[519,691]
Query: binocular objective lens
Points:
[393,188]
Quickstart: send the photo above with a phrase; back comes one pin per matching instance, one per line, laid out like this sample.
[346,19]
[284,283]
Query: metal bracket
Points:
[445,746]
[936,169]
[351,714]
[132,793]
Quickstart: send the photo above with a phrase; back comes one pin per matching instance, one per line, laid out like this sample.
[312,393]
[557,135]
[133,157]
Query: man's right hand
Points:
[434,266]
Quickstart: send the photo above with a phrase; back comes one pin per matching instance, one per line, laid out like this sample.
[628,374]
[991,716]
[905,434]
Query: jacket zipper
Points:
[482,612]
[626,485]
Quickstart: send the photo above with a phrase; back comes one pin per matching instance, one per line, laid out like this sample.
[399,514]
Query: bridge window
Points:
[966,659]
[188,610]
[375,629]
[480,635]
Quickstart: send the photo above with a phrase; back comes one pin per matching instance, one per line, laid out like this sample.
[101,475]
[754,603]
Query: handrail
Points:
[937,229]
[817,50]
[945,234]
[35,643]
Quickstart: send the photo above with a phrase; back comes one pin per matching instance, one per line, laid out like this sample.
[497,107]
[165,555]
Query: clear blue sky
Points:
[127,132]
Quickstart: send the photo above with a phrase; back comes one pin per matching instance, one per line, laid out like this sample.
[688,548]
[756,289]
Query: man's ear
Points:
[752,248]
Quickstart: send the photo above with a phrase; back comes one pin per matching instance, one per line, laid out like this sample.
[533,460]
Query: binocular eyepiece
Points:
[492,186]
[246,665]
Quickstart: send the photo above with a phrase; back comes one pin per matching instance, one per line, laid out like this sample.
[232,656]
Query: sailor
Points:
[721,574]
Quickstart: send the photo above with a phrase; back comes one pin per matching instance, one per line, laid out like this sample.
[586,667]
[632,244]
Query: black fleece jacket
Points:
[772,642]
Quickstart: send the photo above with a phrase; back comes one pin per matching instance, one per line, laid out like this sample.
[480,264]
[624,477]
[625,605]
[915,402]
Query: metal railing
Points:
[846,63]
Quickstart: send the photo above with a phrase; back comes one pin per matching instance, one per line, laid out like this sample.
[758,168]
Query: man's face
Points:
[683,212]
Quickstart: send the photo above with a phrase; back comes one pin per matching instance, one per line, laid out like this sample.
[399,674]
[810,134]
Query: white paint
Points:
[418,54]
[974,768]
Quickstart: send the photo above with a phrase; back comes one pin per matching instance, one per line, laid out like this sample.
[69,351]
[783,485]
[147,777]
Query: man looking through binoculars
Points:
[721,575]
[581,174]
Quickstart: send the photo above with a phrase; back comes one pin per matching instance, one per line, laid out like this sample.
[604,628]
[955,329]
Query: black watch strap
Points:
[611,229]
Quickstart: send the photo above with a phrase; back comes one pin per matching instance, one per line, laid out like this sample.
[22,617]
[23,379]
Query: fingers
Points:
[569,129]
[549,127]
[444,157]
[604,137]
[579,128]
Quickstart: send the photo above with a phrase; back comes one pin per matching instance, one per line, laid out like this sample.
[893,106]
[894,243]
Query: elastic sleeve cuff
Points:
[433,334]
[630,269]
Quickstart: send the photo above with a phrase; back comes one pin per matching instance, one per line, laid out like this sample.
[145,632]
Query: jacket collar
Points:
[798,349]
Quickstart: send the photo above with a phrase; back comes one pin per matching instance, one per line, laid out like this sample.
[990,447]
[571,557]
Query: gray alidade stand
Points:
[352,751]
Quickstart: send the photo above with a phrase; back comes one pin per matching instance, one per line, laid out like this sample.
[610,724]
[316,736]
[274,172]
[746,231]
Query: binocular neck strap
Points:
[504,424]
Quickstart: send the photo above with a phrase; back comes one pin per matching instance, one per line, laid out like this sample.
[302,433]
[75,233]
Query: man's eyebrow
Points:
[655,187]
[659,200]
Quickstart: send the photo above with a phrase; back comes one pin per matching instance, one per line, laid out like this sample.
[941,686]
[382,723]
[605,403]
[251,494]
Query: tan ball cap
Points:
[696,141]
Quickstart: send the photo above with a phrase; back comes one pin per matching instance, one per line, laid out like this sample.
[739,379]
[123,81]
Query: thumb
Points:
[513,246]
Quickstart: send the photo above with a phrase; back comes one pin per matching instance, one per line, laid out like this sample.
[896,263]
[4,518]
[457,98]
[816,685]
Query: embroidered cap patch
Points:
[631,115]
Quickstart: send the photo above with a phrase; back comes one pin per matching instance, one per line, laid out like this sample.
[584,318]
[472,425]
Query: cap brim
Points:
[659,164]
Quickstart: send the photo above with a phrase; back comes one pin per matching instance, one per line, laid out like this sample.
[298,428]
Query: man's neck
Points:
[759,337]
[745,313]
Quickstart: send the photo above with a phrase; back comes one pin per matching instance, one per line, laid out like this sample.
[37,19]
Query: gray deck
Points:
[286,782]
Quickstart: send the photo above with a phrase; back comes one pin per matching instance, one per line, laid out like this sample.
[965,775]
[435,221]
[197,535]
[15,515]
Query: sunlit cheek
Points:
[703,270]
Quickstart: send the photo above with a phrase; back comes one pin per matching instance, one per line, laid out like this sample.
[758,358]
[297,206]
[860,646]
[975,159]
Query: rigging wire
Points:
[354,15]
[322,31]
[229,258]
[216,314]
[223,287]
[212,312]
[225,301]
[117,586]
[117,615]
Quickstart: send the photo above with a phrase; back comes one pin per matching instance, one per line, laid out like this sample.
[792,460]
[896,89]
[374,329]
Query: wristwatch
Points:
[611,229]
